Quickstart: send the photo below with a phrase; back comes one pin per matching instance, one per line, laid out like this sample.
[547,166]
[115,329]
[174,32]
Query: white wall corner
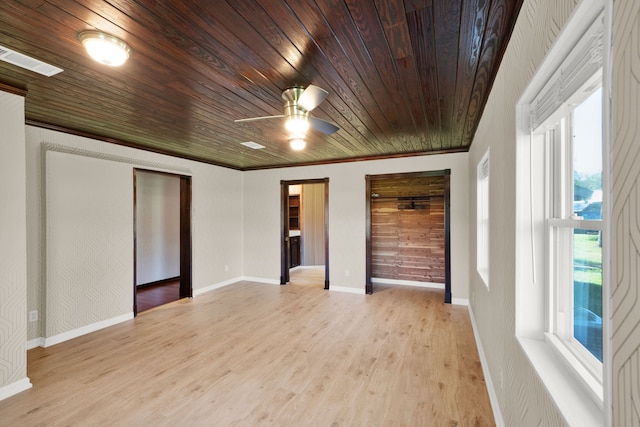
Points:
[36,342]
[493,397]
[15,388]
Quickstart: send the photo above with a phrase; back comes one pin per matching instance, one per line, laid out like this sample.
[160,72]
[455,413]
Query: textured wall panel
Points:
[522,398]
[89,229]
[13,252]
[625,254]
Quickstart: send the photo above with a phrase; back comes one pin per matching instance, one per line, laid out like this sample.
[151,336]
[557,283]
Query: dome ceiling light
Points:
[105,48]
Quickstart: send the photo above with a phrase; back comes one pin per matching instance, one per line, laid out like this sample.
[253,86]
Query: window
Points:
[574,225]
[482,212]
[561,218]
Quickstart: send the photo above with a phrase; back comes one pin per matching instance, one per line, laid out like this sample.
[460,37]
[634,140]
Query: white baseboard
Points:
[460,301]
[408,283]
[493,397]
[209,288]
[260,280]
[36,342]
[15,388]
[347,289]
[65,336]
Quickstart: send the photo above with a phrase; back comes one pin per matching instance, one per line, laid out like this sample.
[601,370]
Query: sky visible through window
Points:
[587,134]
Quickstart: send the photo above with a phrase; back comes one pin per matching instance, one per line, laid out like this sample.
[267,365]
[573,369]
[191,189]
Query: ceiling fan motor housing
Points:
[296,116]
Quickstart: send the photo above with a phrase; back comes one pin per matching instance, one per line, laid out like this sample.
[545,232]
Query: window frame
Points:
[482,216]
[580,399]
[560,226]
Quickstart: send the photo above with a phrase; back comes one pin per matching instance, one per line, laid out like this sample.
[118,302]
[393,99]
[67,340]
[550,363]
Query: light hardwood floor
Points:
[254,354]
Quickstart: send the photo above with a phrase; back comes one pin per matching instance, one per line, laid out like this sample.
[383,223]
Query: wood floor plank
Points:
[255,354]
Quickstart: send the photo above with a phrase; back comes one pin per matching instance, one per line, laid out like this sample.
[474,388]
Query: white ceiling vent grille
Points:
[253,145]
[27,62]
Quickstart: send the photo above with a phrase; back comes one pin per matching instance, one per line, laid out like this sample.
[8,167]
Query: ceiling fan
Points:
[297,108]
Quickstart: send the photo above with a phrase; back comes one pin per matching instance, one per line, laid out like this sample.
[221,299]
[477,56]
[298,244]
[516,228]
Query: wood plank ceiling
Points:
[404,77]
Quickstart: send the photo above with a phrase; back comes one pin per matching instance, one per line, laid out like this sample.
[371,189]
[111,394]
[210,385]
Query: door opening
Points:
[304,222]
[408,230]
[162,238]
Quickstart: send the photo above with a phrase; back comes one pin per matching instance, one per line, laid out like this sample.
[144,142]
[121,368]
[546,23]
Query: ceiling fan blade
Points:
[323,126]
[253,119]
[312,97]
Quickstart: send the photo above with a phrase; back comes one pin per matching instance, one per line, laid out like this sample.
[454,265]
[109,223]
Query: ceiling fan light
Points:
[297,125]
[104,48]
[298,144]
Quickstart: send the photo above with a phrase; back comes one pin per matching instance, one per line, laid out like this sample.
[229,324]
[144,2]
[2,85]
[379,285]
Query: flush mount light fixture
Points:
[105,48]
[297,144]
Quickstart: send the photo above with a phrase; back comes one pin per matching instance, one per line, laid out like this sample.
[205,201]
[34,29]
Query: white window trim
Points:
[482,206]
[572,393]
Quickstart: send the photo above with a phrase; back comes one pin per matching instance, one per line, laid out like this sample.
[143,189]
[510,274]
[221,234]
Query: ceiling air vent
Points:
[24,61]
[253,145]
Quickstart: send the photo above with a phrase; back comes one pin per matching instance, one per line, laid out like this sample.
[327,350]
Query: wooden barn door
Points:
[407,240]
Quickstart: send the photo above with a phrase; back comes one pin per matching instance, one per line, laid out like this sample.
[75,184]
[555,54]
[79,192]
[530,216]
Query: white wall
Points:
[13,247]
[157,227]
[347,239]
[625,202]
[83,164]
[89,245]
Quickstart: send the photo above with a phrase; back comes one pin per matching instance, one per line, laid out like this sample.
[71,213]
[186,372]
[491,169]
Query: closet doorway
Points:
[408,230]
[162,238]
[304,229]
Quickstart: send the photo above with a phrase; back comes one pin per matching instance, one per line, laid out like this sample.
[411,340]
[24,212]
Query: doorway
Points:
[162,238]
[304,228]
[408,229]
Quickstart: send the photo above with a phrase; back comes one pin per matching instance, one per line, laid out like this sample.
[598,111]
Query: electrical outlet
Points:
[226,268]
[346,273]
[33,316]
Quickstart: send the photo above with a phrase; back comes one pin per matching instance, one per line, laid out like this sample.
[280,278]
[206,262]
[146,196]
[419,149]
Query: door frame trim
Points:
[446,173]
[284,227]
[186,258]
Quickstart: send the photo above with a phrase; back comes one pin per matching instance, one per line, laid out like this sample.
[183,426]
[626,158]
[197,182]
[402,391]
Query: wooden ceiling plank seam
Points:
[447,14]
[356,56]
[355,52]
[357,84]
[474,17]
[203,55]
[405,66]
[227,60]
[421,31]
[492,51]
[424,71]
[381,57]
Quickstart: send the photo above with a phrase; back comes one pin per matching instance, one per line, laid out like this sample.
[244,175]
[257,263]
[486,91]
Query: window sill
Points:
[571,397]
